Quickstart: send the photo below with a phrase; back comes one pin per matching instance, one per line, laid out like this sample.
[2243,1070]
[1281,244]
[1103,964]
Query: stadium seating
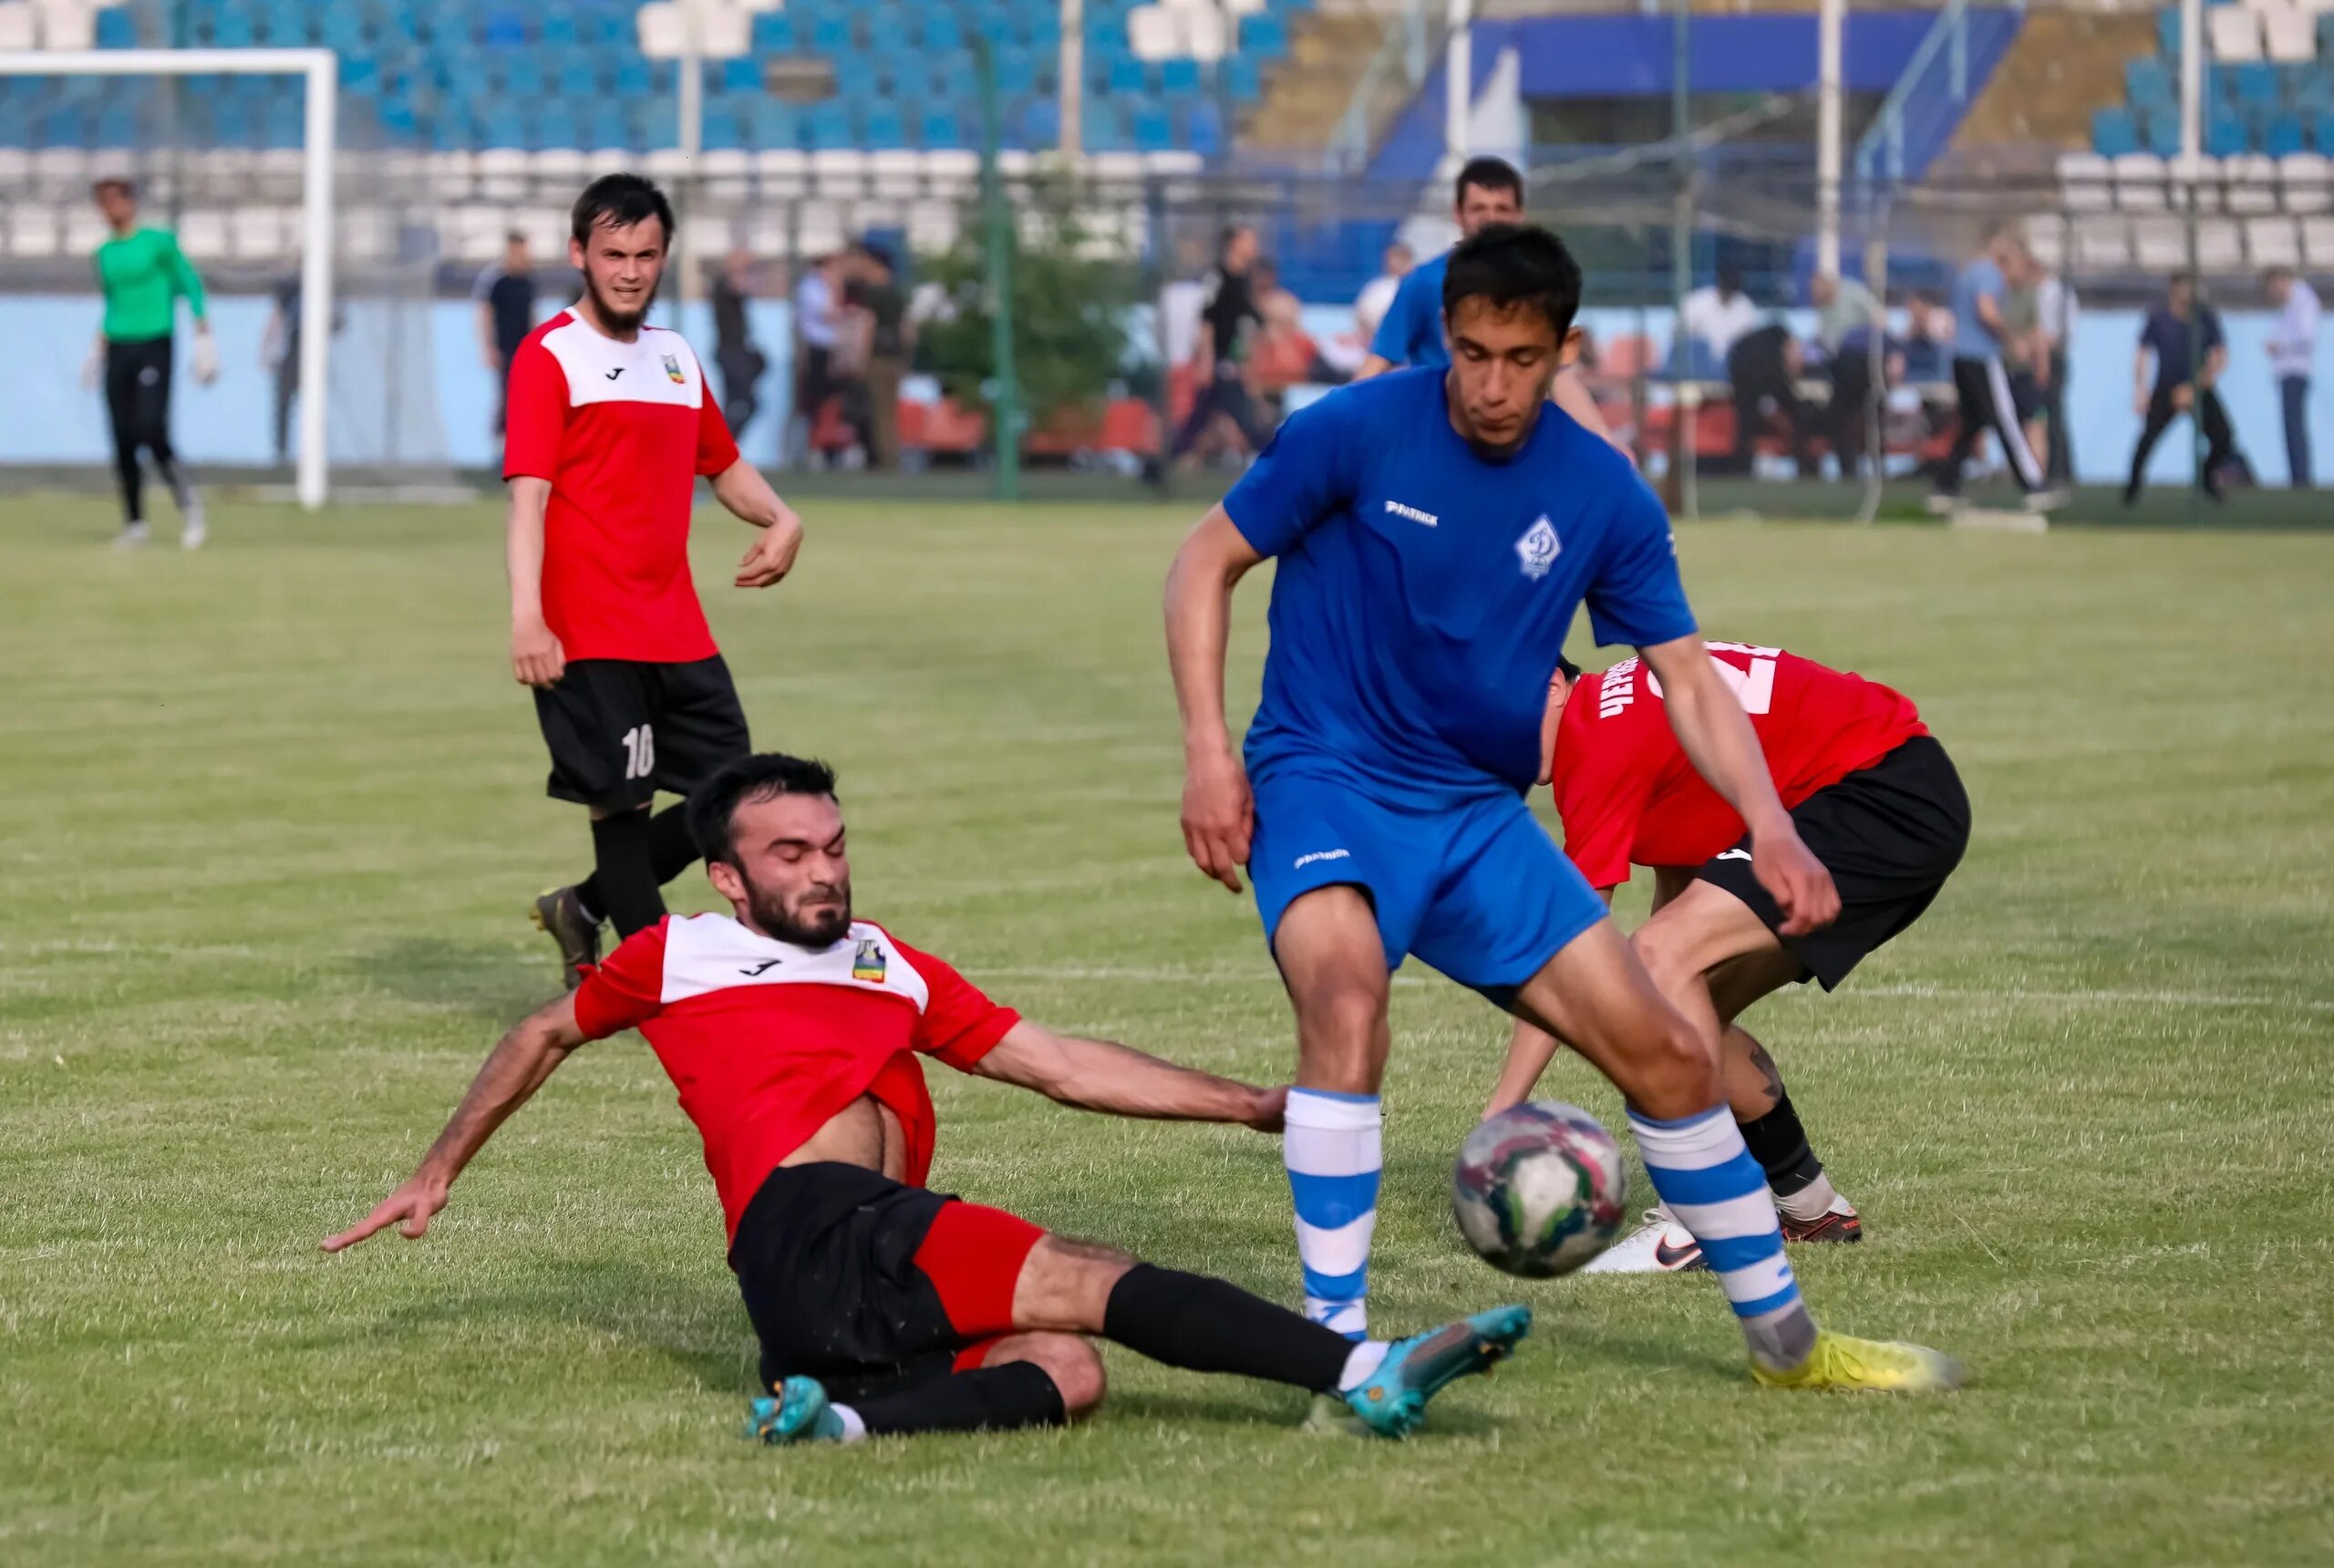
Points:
[464,74]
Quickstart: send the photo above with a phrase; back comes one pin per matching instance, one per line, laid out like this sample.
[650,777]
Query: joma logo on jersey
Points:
[868,963]
[1539,548]
[673,371]
[1427,518]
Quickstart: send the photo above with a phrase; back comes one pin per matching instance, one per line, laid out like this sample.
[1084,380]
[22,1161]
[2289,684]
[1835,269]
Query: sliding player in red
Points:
[792,1032]
[1874,796]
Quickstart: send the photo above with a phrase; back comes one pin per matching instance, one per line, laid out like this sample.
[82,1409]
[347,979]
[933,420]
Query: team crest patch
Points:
[673,370]
[1538,547]
[869,963]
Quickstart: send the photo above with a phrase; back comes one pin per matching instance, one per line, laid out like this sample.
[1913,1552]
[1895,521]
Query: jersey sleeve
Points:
[1304,474]
[717,449]
[1600,806]
[537,418]
[960,1024]
[628,987]
[1636,597]
[184,279]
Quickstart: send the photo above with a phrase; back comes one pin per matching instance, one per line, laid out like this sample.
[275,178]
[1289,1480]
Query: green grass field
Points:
[269,817]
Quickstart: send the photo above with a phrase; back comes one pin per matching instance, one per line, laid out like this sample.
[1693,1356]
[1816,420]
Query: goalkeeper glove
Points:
[206,359]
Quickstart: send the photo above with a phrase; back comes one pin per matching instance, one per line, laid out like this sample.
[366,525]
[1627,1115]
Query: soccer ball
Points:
[1539,1190]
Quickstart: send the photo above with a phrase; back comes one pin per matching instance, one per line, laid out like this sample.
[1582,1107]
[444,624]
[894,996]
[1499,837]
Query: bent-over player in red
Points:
[792,1032]
[610,427]
[1873,794]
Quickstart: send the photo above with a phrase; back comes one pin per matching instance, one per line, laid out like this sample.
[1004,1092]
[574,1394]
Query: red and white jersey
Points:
[1629,795]
[766,1041]
[622,430]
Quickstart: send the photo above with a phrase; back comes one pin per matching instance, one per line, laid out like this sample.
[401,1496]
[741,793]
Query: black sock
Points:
[1778,1142]
[671,849]
[1207,1326]
[990,1398]
[624,887]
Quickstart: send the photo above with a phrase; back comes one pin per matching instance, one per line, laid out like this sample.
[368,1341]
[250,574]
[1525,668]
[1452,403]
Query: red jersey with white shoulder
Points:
[766,1041]
[622,430]
[1629,795]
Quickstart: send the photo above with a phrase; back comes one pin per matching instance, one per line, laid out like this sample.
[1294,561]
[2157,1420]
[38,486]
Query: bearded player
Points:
[1874,797]
[1436,532]
[609,427]
[792,1031]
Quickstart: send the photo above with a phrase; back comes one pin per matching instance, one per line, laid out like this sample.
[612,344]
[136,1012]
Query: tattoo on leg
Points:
[1766,1066]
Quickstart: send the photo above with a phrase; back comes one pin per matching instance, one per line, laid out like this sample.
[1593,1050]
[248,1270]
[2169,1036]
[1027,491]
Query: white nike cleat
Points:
[1661,1245]
[133,536]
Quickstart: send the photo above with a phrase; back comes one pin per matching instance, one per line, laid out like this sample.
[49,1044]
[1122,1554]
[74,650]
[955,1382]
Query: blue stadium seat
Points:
[559,28]
[2283,134]
[577,77]
[2256,84]
[2321,131]
[2164,135]
[2167,32]
[1103,126]
[1153,131]
[1038,125]
[632,78]
[773,33]
[827,125]
[2147,81]
[742,75]
[1179,77]
[770,123]
[1243,79]
[556,126]
[2113,132]
[505,29]
[117,30]
[884,126]
[2225,135]
[938,127]
[1204,132]
[523,75]
[830,33]
[1128,75]
[1263,33]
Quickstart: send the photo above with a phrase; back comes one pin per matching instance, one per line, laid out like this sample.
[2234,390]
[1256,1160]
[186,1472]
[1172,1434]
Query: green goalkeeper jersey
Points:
[143,275]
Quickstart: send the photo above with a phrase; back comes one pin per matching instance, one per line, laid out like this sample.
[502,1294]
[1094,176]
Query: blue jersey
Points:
[1424,594]
[1411,331]
[1981,279]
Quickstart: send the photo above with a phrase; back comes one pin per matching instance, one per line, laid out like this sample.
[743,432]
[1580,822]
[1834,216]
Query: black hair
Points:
[115,183]
[1223,242]
[1730,279]
[1487,174]
[1566,668]
[1512,264]
[764,776]
[618,201]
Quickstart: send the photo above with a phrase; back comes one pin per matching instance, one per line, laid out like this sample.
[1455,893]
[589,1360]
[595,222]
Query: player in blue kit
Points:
[1435,533]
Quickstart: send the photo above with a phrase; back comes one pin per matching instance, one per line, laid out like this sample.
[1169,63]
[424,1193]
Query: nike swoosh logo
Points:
[1668,1257]
[1734,855]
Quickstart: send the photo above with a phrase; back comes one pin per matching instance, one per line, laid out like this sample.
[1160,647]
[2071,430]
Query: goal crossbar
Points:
[321,69]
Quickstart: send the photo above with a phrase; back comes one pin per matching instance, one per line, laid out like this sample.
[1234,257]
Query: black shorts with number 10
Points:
[620,730]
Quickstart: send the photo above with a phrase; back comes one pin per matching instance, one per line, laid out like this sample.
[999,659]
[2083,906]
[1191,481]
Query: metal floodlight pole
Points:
[320,69]
[1458,77]
[1006,405]
[1831,24]
[1686,408]
[1072,86]
[2190,169]
[692,144]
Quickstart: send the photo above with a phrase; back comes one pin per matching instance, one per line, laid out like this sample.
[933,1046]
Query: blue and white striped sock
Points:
[1333,1151]
[1718,1192]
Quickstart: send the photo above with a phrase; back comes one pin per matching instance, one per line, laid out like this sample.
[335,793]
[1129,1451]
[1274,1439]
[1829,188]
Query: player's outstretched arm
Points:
[1710,723]
[1219,815]
[1096,1074]
[516,1067]
[741,487]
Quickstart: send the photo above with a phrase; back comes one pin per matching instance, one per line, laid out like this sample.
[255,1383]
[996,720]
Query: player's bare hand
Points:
[2140,404]
[1219,815]
[1271,1110]
[410,1209]
[1796,880]
[536,657]
[773,556]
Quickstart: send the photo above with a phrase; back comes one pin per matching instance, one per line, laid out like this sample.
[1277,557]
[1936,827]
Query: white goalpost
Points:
[321,70]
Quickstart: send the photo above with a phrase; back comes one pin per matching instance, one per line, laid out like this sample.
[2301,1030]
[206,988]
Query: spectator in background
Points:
[2022,348]
[1928,341]
[1226,314]
[875,293]
[1846,316]
[1180,299]
[2054,320]
[1716,317]
[736,354]
[818,329]
[505,294]
[279,354]
[2181,388]
[2293,354]
[1856,396]
[1284,354]
[1982,333]
[1370,305]
[1763,366]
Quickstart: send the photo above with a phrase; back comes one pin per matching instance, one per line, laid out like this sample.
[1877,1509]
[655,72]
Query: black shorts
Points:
[620,730]
[870,1286]
[1889,834]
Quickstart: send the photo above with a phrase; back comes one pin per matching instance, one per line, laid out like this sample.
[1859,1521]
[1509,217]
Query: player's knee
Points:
[1668,953]
[1339,1015]
[1676,1069]
[1074,1366]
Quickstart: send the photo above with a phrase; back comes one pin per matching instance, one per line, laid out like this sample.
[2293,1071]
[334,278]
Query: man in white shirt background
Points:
[1716,317]
[1369,307]
[2293,351]
[818,329]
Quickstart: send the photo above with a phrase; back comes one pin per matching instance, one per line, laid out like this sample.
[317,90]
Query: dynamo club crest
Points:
[1539,548]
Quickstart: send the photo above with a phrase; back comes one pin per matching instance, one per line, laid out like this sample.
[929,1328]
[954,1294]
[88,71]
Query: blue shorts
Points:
[1478,890]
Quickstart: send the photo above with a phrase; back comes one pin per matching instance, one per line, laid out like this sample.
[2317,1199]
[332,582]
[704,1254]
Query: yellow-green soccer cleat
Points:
[1884,1365]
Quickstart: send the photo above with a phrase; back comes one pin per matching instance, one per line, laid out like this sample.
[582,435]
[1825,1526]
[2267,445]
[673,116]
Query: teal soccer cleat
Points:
[799,1413]
[1392,1401]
